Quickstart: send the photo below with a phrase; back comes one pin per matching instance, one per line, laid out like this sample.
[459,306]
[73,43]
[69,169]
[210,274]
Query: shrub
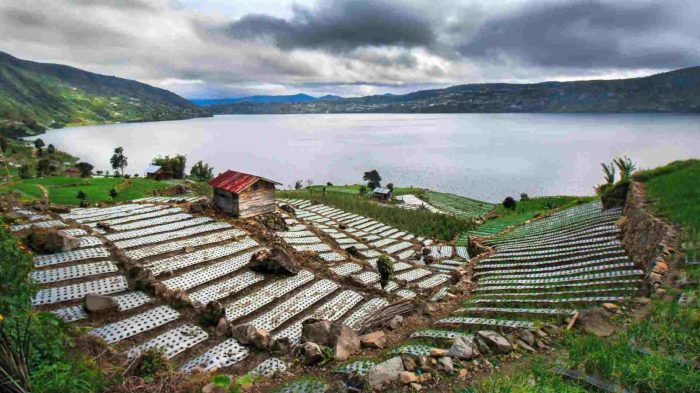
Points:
[509,203]
[113,193]
[626,167]
[85,169]
[298,185]
[25,171]
[385,268]
[81,195]
[151,362]
[524,197]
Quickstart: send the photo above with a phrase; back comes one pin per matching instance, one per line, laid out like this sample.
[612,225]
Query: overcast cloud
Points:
[219,49]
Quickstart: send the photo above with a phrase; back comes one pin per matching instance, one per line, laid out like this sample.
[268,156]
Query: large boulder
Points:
[373,340]
[385,373]
[51,240]
[341,338]
[596,321]
[493,341]
[248,334]
[275,261]
[463,349]
[99,303]
[311,353]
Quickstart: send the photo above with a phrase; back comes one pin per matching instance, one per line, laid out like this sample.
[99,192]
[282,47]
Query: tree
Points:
[25,171]
[298,185]
[81,195]
[386,269]
[509,203]
[329,184]
[626,167]
[51,149]
[608,172]
[39,143]
[201,171]
[45,167]
[113,193]
[99,173]
[119,160]
[524,197]
[390,186]
[85,169]
[372,178]
[363,190]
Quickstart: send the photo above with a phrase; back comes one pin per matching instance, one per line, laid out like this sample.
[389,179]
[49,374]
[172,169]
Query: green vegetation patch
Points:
[421,223]
[526,210]
[456,204]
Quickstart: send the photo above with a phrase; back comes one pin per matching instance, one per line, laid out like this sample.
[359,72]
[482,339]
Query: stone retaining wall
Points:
[651,242]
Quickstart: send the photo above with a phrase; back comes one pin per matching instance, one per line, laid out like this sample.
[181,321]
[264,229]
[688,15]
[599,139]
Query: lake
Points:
[484,156]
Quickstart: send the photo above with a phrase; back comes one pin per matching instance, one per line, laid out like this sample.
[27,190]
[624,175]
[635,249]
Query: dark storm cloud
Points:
[340,25]
[589,34]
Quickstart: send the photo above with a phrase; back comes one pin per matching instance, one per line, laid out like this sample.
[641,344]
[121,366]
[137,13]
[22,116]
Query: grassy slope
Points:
[526,210]
[421,223]
[34,96]
[652,354]
[458,205]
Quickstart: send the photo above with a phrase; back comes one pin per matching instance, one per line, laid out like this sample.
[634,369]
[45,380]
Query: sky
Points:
[217,49]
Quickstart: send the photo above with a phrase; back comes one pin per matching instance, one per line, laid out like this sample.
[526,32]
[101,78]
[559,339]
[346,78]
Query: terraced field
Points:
[458,205]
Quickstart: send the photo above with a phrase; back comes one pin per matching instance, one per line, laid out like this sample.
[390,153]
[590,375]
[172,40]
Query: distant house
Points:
[156,172]
[383,194]
[243,195]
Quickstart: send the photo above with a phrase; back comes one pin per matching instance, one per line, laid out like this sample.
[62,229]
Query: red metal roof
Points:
[236,182]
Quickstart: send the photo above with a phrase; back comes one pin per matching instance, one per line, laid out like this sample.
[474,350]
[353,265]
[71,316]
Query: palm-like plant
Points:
[609,172]
[626,167]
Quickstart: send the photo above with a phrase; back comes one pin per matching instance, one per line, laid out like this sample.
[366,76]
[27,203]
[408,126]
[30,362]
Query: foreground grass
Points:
[527,210]
[421,223]
[674,190]
[63,190]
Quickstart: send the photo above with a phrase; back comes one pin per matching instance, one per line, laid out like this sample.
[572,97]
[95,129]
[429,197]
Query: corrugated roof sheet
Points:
[236,182]
[152,168]
[380,190]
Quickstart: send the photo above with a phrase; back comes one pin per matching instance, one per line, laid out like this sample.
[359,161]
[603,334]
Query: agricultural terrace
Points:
[419,222]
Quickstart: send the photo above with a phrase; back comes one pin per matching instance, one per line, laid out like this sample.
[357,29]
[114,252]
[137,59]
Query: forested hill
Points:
[675,91]
[35,96]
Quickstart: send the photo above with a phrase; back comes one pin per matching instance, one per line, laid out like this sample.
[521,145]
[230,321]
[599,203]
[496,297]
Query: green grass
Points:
[355,189]
[526,210]
[674,191]
[539,378]
[458,205]
[63,190]
[420,223]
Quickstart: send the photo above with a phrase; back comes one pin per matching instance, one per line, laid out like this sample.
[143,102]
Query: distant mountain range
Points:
[675,91]
[263,99]
[36,96]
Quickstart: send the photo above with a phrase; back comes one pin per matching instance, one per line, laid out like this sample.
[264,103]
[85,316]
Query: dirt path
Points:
[44,192]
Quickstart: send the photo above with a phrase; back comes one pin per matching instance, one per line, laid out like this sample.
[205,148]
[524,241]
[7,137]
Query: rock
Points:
[522,344]
[416,386]
[50,240]
[463,373]
[425,377]
[248,334]
[550,329]
[409,363]
[395,322]
[610,307]
[406,377]
[445,364]
[661,267]
[223,328]
[429,309]
[596,321]
[341,338]
[281,345]
[463,349]
[642,300]
[527,336]
[621,221]
[275,261]
[385,373]
[104,226]
[98,303]
[311,353]
[494,341]
[373,340]
[188,249]
[438,352]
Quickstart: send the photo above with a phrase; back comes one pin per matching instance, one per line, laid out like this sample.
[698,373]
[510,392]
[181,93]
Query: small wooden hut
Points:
[383,194]
[156,172]
[243,195]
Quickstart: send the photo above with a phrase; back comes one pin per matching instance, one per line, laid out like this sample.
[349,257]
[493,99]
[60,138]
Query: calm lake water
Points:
[484,156]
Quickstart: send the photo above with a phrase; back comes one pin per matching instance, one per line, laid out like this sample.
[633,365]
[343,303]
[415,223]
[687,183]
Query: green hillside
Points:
[36,96]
